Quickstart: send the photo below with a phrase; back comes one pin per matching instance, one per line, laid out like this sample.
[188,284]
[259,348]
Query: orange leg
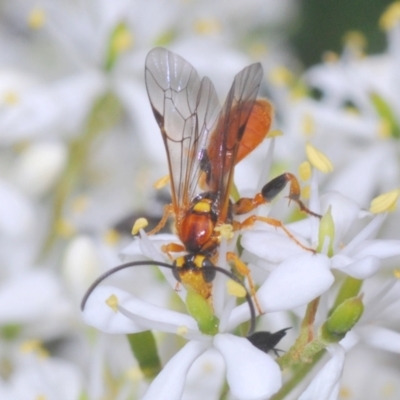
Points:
[249,222]
[168,210]
[172,248]
[270,191]
[243,270]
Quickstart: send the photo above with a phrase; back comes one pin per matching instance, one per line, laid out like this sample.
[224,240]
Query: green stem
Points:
[144,348]
[299,374]
[104,115]
[294,355]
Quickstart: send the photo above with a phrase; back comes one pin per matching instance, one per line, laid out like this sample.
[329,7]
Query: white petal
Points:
[378,248]
[49,379]
[362,269]
[270,246]
[135,249]
[149,247]
[28,297]
[140,315]
[381,338]
[16,213]
[295,282]
[369,231]
[367,163]
[80,264]
[61,107]
[251,373]
[344,213]
[39,166]
[325,385]
[170,382]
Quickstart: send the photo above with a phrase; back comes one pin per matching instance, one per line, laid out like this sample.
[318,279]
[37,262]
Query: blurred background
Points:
[80,149]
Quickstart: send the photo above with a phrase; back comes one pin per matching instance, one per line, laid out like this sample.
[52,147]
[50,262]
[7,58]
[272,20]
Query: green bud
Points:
[202,312]
[120,41]
[10,331]
[343,319]
[166,38]
[326,229]
[386,113]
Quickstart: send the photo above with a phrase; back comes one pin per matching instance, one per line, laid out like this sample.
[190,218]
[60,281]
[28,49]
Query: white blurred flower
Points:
[39,166]
[242,359]
[354,253]
[42,378]
[35,302]
[325,385]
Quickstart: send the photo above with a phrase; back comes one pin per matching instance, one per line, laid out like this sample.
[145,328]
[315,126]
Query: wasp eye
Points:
[208,270]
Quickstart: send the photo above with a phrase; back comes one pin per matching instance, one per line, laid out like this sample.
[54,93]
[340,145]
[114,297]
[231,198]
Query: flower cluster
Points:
[79,152]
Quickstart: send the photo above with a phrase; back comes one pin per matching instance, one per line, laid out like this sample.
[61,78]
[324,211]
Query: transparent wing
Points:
[185,109]
[226,136]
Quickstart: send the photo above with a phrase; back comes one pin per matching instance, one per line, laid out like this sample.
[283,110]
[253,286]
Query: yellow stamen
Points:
[207,26]
[305,192]
[274,133]
[182,330]
[139,224]
[396,273]
[225,231]
[355,39]
[384,129]
[29,346]
[80,204]
[330,57]
[308,125]
[385,202]
[112,302]
[123,39]
[112,237]
[235,289]
[134,374]
[391,17]
[34,346]
[160,183]
[281,76]
[41,397]
[36,18]
[11,98]
[258,50]
[318,159]
[65,229]
[345,393]
[305,171]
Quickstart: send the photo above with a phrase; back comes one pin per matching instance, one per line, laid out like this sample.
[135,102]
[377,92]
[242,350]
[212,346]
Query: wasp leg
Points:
[172,248]
[249,222]
[272,188]
[168,210]
[243,270]
[270,191]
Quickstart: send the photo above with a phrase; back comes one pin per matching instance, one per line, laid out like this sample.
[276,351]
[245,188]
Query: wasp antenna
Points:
[116,269]
[230,275]
[248,296]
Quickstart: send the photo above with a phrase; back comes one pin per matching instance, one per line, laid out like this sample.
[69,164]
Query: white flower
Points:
[325,385]
[47,378]
[35,302]
[135,315]
[356,254]
[377,326]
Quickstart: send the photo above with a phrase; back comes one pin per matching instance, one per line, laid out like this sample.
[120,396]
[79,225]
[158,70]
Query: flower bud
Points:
[343,319]
[326,231]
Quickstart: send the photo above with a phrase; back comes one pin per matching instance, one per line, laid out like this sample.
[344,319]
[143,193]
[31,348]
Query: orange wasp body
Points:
[204,142]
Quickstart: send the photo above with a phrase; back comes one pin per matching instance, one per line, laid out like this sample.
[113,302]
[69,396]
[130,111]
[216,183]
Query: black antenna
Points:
[230,275]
